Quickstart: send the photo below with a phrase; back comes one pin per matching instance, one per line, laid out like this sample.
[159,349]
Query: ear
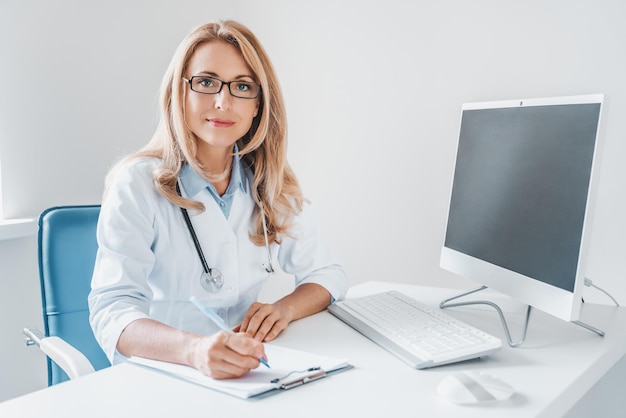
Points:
[256,108]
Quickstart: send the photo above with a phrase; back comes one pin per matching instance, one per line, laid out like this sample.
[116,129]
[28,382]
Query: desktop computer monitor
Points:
[519,219]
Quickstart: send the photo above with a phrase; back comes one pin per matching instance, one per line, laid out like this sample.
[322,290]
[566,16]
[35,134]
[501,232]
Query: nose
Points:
[223,99]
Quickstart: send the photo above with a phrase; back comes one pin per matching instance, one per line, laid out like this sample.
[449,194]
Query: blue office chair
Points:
[67,250]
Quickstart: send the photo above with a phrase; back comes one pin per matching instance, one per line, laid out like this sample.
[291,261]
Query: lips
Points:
[220,123]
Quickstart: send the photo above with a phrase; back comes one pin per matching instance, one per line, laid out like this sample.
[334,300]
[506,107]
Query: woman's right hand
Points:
[222,355]
[225,355]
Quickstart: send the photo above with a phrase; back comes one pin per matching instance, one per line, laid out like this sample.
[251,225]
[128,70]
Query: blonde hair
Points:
[263,148]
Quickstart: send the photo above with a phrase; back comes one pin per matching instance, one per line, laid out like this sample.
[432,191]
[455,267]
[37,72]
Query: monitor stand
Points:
[447,304]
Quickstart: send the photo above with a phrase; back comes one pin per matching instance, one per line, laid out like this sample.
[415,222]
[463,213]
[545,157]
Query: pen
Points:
[217,320]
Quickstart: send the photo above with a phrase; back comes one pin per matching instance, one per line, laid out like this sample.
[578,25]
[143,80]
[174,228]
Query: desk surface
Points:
[556,366]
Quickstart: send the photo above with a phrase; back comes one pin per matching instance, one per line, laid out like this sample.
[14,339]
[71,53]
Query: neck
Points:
[217,165]
[215,176]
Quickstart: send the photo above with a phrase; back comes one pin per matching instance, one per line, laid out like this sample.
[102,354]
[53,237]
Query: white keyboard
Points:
[412,331]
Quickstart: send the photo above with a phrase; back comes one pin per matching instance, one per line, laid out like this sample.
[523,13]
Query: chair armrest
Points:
[67,357]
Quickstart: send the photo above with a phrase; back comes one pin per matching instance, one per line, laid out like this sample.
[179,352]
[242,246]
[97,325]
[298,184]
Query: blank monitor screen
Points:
[521,186]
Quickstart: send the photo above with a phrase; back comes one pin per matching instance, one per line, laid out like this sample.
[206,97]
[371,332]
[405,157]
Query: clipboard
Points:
[289,369]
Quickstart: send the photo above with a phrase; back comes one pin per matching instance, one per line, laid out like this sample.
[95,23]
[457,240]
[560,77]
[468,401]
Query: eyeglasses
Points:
[211,85]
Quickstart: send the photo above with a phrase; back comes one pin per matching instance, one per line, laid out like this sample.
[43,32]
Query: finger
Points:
[274,331]
[232,365]
[227,370]
[271,328]
[219,361]
[247,349]
[261,312]
[245,323]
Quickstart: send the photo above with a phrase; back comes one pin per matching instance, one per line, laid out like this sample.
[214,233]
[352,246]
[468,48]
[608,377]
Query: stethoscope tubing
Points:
[217,279]
[196,243]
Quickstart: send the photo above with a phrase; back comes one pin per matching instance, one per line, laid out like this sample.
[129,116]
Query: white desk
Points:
[556,366]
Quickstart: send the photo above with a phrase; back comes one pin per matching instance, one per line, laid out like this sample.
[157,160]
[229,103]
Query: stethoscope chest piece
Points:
[212,281]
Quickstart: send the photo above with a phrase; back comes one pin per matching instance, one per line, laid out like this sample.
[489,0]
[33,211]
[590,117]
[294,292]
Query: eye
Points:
[206,82]
[242,86]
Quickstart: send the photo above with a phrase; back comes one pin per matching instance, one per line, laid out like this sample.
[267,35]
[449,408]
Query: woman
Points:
[215,172]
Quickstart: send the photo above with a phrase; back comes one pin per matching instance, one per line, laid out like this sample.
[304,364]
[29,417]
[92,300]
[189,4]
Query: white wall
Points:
[373,90]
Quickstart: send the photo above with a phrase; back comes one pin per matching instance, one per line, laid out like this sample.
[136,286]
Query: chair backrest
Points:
[67,251]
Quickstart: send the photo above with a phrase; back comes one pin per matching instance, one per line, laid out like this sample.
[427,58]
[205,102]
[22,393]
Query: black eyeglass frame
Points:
[222,83]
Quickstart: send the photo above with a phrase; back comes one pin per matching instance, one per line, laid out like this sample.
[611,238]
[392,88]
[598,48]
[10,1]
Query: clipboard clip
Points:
[313,373]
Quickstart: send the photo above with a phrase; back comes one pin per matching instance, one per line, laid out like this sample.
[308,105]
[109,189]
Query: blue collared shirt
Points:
[193,183]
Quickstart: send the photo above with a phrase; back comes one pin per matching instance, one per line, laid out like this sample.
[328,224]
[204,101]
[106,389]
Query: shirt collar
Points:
[193,183]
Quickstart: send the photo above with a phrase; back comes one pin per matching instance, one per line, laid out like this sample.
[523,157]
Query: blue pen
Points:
[218,321]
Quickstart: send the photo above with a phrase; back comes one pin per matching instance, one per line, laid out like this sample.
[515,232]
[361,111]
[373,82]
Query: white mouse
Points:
[473,387]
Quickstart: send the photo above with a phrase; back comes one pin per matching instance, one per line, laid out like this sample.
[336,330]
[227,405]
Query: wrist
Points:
[287,309]
[191,349]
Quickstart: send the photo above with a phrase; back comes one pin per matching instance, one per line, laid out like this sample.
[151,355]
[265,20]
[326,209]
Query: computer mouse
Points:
[470,387]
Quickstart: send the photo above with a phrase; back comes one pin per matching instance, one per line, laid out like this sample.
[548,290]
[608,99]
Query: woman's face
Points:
[220,119]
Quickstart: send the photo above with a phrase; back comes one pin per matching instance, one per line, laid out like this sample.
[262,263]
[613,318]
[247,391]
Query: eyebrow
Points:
[214,75]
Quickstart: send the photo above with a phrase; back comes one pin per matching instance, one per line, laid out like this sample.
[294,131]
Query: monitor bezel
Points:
[558,302]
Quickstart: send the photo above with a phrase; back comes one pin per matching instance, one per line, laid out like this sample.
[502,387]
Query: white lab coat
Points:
[148,267]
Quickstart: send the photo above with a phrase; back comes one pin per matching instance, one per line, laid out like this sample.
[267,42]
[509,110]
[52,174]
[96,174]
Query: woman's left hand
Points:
[263,321]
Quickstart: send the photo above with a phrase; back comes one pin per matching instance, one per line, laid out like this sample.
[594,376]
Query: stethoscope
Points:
[212,280]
